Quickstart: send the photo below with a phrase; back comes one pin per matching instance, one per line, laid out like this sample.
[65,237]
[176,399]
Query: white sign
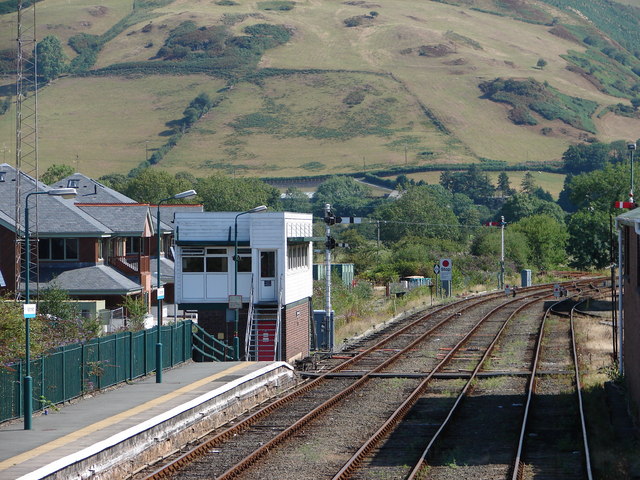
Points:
[445,269]
[556,290]
[235,302]
[161,293]
[29,310]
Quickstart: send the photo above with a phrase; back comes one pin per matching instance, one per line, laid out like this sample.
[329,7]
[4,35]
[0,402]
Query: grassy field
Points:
[301,124]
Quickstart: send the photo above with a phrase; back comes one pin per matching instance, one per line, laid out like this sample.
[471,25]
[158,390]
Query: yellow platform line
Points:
[88,430]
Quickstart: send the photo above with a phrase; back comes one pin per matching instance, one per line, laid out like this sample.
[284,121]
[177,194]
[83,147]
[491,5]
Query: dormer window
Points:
[3,176]
[73,183]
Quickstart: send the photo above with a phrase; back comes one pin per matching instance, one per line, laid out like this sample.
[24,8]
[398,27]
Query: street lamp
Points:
[236,339]
[160,292]
[29,310]
[631,146]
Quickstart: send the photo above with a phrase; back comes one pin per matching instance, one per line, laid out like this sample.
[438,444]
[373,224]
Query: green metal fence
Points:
[77,369]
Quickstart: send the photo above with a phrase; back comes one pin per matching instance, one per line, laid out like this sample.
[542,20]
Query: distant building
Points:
[273,279]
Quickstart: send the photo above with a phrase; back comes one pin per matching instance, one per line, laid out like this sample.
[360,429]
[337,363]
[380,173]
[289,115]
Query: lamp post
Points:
[236,339]
[502,224]
[29,310]
[631,146]
[160,293]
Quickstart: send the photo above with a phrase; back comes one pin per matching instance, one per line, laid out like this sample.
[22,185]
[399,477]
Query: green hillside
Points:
[319,87]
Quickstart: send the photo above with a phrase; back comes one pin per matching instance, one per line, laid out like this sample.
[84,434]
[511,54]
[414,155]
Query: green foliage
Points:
[279,5]
[345,195]
[589,244]
[5,105]
[56,172]
[226,3]
[295,200]
[420,212]
[153,185]
[136,309]
[541,63]
[221,193]
[616,20]
[51,58]
[525,95]
[547,239]
[474,183]
[599,189]
[582,157]
[522,205]
[487,243]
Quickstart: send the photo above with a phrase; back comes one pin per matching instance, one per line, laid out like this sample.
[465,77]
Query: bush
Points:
[281,5]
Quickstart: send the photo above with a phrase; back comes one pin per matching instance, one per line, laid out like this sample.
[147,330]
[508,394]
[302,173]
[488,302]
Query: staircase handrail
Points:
[276,346]
[224,348]
[247,334]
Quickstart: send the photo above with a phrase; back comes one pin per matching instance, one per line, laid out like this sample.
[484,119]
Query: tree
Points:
[345,195]
[220,193]
[152,185]
[474,183]
[419,213]
[528,184]
[295,200]
[504,184]
[635,103]
[51,58]
[522,205]
[55,173]
[541,63]
[600,188]
[586,158]
[547,239]
[488,243]
[589,239]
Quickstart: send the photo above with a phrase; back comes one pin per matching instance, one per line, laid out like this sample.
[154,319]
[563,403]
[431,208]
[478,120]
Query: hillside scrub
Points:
[530,95]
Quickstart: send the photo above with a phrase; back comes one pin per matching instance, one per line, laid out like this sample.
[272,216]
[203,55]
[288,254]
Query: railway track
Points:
[353,405]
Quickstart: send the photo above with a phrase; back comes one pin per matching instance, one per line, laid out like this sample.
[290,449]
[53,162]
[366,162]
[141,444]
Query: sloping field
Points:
[400,89]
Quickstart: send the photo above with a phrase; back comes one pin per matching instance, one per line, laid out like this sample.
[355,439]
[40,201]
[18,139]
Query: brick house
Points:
[98,246]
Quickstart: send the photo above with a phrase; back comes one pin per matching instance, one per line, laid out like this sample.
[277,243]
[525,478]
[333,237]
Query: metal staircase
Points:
[263,331]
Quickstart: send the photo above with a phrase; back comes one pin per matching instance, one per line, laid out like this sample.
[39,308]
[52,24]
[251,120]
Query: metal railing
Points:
[248,335]
[75,370]
[207,348]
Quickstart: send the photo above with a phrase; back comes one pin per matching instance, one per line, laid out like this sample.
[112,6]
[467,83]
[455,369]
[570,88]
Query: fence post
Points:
[130,355]
[64,374]
[82,368]
[173,334]
[144,351]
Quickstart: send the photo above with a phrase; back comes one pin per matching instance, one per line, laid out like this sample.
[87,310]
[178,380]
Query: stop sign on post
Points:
[445,269]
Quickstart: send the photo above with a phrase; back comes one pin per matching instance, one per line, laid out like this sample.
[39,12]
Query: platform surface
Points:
[84,422]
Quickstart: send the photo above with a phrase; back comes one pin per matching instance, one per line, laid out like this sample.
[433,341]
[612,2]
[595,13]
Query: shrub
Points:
[281,5]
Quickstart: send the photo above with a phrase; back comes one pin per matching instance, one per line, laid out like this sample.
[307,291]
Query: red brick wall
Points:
[296,332]
[631,299]
[7,257]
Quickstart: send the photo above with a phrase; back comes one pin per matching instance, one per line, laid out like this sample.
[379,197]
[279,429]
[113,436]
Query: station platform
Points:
[115,433]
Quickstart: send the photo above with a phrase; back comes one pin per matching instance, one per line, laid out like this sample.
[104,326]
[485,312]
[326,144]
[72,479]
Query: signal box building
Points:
[629,231]
[269,283]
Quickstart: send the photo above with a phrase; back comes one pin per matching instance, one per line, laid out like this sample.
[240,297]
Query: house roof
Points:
[630,219]
[91,191]
[122,219]
[168,214]
[92,279]
[56,215]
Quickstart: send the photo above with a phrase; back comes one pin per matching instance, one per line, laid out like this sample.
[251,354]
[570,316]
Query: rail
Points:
[210,347]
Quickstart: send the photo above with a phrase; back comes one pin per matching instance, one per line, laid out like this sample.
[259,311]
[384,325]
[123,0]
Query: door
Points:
[267,278]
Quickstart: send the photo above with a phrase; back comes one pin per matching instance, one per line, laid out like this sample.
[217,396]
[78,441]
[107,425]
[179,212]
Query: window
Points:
[193,264]
[134,245]
[217,264]
[244,260]
[73,183]
[100,249]
[297,256]
[58,249]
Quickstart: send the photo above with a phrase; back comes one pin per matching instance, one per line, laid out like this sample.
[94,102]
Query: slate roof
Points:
[122,219]
[168,214]
[88,280]
[56,215]
[91,191]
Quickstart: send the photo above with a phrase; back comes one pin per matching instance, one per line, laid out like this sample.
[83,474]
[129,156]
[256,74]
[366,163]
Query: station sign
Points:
[161,293]
[29,310]
[445,269]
